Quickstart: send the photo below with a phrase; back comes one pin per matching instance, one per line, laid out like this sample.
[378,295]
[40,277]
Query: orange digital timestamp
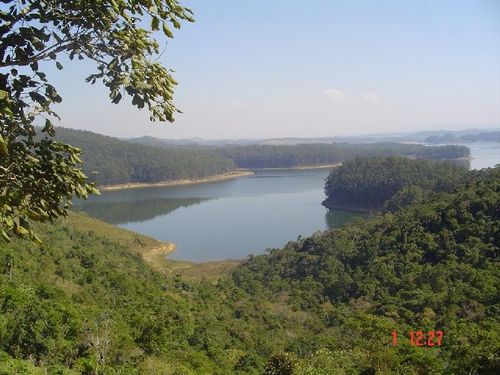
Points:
[421,338]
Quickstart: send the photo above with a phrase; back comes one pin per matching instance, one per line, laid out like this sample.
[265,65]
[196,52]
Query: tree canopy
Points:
[367,183]
[89,303]
[38,176]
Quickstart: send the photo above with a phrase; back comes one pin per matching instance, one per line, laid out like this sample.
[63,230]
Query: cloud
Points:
[334,94]
[372,97]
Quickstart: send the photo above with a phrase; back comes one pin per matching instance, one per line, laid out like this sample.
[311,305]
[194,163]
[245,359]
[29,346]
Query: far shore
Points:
[332,206]
[298,167]
[219,177]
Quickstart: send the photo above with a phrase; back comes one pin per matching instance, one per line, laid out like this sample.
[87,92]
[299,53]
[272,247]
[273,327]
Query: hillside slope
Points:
[87,302]
[119,162]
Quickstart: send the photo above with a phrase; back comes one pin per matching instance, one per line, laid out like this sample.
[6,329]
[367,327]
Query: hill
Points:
[430,267]
[367,183]
[88,301]
[285,156]
[467,138]
[120,162]
[111,161]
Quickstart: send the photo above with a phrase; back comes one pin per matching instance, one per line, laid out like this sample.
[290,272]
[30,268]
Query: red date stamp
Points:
[421,338]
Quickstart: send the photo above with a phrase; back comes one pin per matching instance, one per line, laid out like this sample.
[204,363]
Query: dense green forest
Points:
[118,162]
[109,161]
[432,266]
[275,156]
[367,183]
[86,302]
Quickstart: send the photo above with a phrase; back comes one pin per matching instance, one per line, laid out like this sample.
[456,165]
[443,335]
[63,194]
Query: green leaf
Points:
[115,6]
[176,24]
[167,31]
[20,231]
[36,239]
[4,151]
[117,98]
[59,65]
[49,128]
[155,23]
[5,236]
[24,223]
[138,101]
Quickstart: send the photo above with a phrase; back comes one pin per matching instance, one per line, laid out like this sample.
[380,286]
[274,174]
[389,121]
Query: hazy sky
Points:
[275,68]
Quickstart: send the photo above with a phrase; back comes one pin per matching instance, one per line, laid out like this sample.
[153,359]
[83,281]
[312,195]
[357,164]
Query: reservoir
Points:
[232,219]
[227,219]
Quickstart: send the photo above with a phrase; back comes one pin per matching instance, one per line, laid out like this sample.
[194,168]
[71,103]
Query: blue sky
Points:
[276,68]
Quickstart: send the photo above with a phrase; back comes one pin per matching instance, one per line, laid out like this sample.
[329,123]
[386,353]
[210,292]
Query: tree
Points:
[39,176]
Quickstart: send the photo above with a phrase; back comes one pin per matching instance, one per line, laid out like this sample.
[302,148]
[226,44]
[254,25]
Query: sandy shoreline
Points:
[219,177]
[241,172]
[156,256]
[300,167]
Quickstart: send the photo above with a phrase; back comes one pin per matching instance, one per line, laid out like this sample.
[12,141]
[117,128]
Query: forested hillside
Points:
[276,156]
[430,267]
[118,162]
[86,302]
[367,183]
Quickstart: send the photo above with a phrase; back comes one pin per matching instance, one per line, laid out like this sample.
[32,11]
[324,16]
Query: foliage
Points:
[111,161]
[430,266]
[368,183]
[86,302]
[38,176]
[284,156]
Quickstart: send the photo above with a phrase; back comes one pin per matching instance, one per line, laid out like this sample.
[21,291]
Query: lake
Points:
[226,219]
[234,218]
[484,155]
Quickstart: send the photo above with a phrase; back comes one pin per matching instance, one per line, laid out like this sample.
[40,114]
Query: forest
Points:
[276,156]
[86,302]
[109,161]
[368,183]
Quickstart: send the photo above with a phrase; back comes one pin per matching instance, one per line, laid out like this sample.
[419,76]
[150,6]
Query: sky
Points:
[318,68]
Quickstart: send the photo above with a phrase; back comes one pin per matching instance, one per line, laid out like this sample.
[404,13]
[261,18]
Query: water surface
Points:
[226,219]
[484,155]
[234,218]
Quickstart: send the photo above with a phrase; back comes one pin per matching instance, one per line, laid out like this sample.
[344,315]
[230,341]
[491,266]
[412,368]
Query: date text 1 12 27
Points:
[421,338]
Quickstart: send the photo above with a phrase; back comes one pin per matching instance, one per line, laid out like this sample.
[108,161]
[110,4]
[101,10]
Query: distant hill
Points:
[110,161]
[409,137]
[116,161]
[285,156]
[468,138]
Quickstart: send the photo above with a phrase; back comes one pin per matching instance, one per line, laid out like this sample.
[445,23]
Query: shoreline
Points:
[298,167]
[332,206]
[214,178]
[156,256]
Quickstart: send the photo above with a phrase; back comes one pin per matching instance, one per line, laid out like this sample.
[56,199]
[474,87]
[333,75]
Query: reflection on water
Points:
[131,211]
[235,218]
[223,220]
